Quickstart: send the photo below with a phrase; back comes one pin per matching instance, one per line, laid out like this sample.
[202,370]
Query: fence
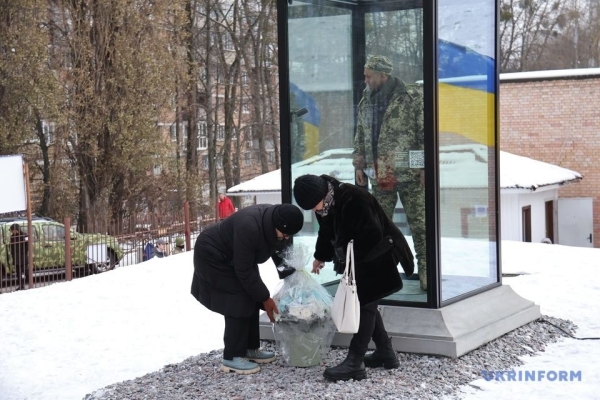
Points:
[44,253]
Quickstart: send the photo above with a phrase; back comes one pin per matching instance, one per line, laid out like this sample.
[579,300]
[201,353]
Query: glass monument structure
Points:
[445,53]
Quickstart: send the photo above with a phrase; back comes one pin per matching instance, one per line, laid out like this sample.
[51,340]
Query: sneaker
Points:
[261,357]
[239,366]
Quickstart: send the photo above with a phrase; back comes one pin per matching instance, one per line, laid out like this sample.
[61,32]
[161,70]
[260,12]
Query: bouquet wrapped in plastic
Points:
[303,329]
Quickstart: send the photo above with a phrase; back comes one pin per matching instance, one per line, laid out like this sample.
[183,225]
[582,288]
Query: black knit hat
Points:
[309,190]
[288,219]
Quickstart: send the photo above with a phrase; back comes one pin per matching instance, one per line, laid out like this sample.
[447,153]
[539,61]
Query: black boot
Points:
[351,368]
[384,355]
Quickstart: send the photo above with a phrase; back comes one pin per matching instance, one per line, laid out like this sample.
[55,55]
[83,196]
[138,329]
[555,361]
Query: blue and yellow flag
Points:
[467,85]
[309,121]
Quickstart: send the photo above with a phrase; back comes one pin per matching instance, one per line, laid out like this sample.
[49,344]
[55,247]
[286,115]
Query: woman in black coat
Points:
[227,280]
[346,212]
[19,250]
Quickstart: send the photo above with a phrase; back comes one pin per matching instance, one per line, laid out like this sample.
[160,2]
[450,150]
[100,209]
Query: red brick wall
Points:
[556,121]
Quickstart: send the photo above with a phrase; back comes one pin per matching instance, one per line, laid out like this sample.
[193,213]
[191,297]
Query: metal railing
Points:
[60,253]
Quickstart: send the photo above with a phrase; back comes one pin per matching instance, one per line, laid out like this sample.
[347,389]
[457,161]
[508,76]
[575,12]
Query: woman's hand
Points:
[270,308]
[317,266]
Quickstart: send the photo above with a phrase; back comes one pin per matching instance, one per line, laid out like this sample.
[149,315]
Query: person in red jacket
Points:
[225,206]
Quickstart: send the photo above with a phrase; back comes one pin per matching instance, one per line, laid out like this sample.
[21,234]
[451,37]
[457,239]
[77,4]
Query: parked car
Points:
[49,247]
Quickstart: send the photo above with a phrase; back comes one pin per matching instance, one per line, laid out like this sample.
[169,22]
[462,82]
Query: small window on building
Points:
[182,132]
[202,138]
[48,128]
[248,158]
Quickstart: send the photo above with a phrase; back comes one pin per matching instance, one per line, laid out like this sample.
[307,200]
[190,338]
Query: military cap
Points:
[380,64]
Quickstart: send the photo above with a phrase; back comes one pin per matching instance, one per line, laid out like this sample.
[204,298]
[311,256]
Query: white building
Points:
[529,208]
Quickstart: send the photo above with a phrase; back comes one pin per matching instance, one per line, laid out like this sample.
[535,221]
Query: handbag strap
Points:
[349,270]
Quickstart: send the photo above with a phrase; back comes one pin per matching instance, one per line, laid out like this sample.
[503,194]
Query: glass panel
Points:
[466,87]
[330,131]
[321,102]
[390,133]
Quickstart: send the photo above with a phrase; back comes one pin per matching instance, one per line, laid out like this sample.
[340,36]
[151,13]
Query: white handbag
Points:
[345,309]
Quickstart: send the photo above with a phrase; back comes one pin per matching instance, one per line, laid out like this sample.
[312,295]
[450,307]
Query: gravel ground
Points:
[419,376]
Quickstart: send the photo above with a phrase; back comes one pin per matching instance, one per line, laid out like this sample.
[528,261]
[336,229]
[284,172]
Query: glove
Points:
[270,308]
[340,254]
[284,270]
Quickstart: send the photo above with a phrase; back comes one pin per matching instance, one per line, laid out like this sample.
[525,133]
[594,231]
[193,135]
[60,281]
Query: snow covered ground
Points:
[69,339]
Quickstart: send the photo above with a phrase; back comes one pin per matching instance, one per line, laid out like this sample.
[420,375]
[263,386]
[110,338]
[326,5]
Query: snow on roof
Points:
[526,173]
[336,163]
[265,183]
[460,168]
[547,75]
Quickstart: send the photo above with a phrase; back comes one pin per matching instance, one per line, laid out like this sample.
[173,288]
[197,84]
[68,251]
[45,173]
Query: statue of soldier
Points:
[388,148]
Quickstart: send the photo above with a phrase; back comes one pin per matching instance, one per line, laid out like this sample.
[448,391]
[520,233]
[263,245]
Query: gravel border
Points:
[419,376]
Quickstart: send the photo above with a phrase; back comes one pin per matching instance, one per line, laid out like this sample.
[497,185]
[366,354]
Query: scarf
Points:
[328,202]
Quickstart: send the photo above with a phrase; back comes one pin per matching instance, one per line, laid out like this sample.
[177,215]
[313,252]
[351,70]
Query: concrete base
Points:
[450,331]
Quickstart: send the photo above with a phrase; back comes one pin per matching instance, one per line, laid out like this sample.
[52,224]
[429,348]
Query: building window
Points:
[248,158]
[249,145]
[219,162]
[48,129]
[202,138]
[220,132]
[245,108]
[204,162]
[271,157]
[202,143]
[227,42]
[182,132]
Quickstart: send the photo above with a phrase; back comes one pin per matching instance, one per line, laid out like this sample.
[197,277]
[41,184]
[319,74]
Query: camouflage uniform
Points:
[396,163]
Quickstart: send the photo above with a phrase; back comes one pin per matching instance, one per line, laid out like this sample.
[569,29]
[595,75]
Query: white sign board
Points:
[12,181]
[96,253]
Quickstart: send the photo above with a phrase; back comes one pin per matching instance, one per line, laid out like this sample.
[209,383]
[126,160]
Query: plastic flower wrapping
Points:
[303,329]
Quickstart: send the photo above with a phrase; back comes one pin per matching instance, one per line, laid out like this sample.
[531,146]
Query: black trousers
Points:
[240,335]
[22,273]
[370,327]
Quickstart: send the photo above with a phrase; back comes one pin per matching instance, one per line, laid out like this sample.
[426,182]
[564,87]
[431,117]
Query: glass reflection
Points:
[361,123]
[467,137]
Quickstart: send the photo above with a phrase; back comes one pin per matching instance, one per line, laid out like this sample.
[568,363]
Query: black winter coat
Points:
[226,257]
[378,244]
[19,249]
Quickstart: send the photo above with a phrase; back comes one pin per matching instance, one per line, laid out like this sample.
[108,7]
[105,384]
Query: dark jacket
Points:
[157,253]
[19,249]
[378,244]
[226,257]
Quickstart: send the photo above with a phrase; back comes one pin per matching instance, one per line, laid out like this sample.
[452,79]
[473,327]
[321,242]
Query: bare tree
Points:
[29,91]
[577,46]
[526,28]
[117,78]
